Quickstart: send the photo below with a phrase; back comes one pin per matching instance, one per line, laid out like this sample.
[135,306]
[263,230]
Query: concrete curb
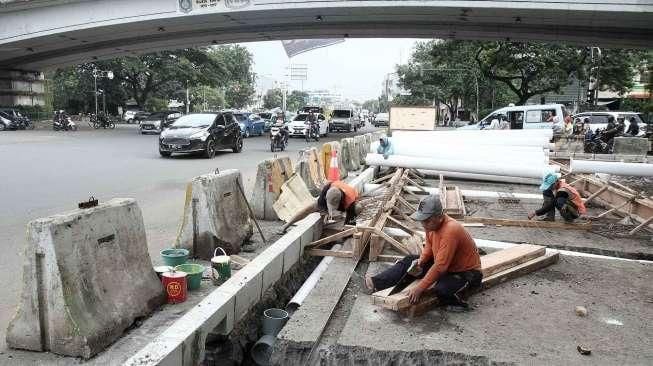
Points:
[311,169]
[350,154]
[184,342]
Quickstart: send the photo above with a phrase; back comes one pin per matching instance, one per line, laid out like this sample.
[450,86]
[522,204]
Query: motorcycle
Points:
[101,121]
[312,131]
[595,143]
[277,139]
[63,123]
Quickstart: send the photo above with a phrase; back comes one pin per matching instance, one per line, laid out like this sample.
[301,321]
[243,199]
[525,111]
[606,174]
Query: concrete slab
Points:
[350,154]
[631,145]
[529,320]
[270,176]
[86,278]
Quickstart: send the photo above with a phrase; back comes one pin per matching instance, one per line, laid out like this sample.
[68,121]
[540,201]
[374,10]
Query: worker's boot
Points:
[551,215]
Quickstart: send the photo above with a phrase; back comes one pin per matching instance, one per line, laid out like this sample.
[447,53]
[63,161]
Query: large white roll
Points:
[478,167]
[482,177]
[610,167]
[474,139]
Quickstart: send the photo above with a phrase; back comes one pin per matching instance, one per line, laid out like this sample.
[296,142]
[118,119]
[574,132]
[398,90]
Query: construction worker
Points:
[335,197]
[385,147]
[449,266]
[558,194]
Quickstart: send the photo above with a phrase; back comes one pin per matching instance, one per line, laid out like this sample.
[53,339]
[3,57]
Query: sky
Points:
[355,68]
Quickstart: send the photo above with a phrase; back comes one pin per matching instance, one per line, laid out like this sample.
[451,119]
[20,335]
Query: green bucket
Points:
[193,274]
[174,256]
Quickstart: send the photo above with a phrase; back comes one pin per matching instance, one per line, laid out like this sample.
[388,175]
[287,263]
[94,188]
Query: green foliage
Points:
[163,75]
[295,100]
[156,104]
[206,98]
[273,98]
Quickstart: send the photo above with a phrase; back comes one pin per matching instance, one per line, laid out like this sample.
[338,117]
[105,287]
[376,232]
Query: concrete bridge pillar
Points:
[20,87]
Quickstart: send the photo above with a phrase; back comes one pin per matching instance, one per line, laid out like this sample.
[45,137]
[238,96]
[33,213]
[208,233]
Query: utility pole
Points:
[95,91]
[187,98]
[96,73]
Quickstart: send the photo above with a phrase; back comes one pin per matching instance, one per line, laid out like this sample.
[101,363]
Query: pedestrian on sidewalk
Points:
[449,265]
[559,195]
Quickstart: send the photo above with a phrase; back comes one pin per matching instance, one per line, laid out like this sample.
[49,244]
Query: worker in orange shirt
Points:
[335,197]
[449,266]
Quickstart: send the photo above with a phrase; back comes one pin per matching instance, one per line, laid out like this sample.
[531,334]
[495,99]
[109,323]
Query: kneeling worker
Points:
[335,196]
[449,265]
[560,195]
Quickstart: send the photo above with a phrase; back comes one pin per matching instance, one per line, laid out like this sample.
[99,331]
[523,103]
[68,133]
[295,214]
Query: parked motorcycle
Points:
[312,131]
[101,121]
[277,138]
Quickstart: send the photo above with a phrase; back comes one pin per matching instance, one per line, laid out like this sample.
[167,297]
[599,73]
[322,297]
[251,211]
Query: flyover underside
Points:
[76,36]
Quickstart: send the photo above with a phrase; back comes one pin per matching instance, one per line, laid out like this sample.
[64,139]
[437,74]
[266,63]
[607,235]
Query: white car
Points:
[526,117]
[382,119]
[297,126]
[599,120]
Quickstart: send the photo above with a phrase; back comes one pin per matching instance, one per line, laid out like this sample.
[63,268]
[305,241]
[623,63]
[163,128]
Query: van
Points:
[599,120]
[343,120]
[526,117]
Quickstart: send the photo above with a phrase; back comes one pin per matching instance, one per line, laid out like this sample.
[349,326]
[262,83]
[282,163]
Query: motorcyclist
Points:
[633,127]
[283,128]
[312,122]
[611,131]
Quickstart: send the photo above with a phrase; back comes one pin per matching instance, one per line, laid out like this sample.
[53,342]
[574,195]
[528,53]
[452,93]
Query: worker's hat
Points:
[549,180]
[333,198]
[428,206]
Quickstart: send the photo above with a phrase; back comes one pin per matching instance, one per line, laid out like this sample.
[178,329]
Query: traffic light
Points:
[590,97]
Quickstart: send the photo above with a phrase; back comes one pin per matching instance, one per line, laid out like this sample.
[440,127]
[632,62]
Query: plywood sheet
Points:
[412,118]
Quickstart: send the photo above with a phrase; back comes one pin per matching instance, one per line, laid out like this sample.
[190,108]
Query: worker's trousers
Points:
[567,209]
[450,288]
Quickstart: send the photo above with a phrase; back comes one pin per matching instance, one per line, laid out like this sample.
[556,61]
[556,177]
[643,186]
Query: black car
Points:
[201,133]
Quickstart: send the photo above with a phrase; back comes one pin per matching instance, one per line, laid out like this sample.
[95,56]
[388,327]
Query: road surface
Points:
[46,172]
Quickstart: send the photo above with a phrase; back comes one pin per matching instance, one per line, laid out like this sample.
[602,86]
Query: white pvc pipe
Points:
[428,138]
[544,132]
[478,167]
[527,155]
[481,177]
[471,193]
[609,167]
[311,281]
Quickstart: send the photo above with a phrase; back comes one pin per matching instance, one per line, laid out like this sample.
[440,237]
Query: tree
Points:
[273,98]
[530,69]
[206,98]
[295,100]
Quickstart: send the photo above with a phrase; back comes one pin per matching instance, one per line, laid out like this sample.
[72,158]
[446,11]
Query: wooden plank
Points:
[405,227]
[400,300]
[529,223]
[593,195]
[550,257]
[389,258]
[641,226]
[406,204]
[376,247]
[503,259]
[330,253]
[332,238]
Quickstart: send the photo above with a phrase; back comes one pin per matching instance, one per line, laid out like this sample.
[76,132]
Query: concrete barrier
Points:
[361,147]
[311,169]
[350,154]
[326,158]
[271,175]
[87,276]
[183,344]
[215,215]
[631,145]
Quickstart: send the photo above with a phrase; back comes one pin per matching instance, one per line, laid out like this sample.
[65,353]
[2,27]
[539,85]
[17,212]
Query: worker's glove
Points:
[386,156]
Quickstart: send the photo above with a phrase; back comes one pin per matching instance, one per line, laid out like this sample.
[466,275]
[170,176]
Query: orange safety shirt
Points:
[454,251]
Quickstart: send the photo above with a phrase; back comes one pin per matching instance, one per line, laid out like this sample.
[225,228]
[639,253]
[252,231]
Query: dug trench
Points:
[234,349]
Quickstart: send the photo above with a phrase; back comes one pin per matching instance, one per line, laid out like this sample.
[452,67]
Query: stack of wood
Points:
[497,268]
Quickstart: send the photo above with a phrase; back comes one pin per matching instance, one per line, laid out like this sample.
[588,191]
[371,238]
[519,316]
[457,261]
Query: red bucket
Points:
[175,285]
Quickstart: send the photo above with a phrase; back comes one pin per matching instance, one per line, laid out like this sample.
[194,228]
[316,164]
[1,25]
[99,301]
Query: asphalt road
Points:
[45,172]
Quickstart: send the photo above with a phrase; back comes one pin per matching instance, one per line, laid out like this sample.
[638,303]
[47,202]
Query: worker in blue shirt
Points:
[385,147]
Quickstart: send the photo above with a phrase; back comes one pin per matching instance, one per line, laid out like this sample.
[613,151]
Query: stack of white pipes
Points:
[495,155]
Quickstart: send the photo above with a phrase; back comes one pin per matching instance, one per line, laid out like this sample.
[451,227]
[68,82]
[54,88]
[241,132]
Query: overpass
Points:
[42,34]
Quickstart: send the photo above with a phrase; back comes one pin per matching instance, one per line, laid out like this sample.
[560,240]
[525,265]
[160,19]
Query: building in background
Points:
[21,88]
